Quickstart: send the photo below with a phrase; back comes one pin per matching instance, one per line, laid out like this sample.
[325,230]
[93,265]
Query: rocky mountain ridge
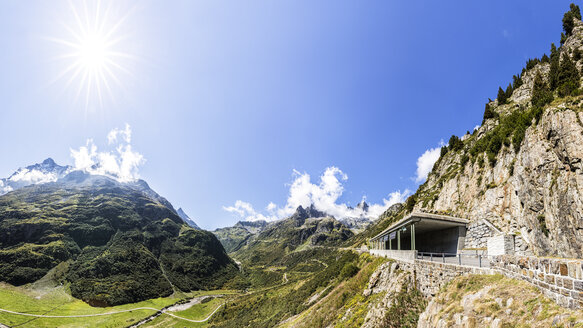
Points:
[48,171]
[187,219]
[309,218]
[522,169]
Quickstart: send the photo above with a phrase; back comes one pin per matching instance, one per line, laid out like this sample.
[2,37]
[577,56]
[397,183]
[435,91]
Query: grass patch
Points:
[56,301]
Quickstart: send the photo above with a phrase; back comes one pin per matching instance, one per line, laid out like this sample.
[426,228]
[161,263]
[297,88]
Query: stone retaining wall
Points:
[478,234]
[431,276]
[559,279]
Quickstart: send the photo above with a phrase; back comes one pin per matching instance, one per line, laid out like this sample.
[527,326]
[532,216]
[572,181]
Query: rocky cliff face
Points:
[391,284]
[532,188]
[535,193]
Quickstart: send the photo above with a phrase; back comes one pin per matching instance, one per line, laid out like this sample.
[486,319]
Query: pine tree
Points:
[554,70]
[508,92]
[516,81]
[568,23]
[577,54]
[455,143]
[541,94]
[489,113]
[568,78]
[501,96]
[575,10]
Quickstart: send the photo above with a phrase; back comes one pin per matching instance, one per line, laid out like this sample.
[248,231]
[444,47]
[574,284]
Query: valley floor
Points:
[310,288]
[54,307]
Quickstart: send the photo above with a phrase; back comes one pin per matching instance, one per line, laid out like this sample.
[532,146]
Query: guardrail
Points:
[477,260]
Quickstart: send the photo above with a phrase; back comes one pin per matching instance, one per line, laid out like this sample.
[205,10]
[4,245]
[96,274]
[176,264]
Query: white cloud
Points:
[246,212]
[122,164]
[33,176]
[425,162]
[324,196]
[126,134]
[4,188]
[375,210]
[476,127]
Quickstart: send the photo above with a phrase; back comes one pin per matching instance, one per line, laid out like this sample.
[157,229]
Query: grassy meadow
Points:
[56,301]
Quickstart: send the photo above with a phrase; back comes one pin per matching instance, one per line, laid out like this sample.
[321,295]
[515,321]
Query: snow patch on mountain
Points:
[187,219]
[47,171]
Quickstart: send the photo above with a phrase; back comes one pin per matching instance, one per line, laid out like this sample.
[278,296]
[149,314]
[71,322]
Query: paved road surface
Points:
[109,313]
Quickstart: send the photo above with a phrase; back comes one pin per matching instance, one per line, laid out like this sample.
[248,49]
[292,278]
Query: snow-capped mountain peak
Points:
[47,171]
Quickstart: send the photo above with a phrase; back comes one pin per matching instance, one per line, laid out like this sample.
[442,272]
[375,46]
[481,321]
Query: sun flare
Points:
[91,56]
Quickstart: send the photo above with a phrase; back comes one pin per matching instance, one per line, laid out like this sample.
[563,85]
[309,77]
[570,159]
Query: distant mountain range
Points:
[49,171]
[235,237]
[112,242]
[360,223]
[307,226]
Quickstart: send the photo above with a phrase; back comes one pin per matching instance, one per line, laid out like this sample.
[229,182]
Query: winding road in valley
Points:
[111,313]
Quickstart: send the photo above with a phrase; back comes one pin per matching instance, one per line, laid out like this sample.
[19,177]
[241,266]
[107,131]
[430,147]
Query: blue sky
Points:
[226,99]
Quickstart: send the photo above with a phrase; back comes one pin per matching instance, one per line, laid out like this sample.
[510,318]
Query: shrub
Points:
[410,203]
[542,224]
[349,270]
[465,158]
[481,161]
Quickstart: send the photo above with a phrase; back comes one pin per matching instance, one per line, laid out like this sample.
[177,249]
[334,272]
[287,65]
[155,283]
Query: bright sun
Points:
[93,52]
[92,60]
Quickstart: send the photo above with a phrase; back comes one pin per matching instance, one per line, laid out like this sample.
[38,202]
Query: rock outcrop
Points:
[390,282]
[494,301]
[531,189]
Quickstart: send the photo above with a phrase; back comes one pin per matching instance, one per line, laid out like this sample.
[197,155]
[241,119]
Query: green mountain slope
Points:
[235,237]
[118,242]
[307,227]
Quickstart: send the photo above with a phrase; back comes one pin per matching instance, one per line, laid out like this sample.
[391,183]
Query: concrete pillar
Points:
[413,236]
[399,239]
